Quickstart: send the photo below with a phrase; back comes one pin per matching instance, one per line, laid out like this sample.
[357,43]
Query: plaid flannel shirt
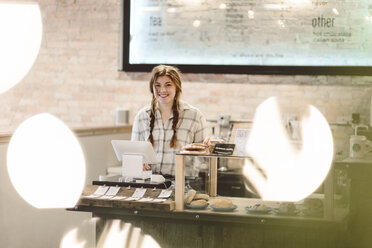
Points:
[190,129]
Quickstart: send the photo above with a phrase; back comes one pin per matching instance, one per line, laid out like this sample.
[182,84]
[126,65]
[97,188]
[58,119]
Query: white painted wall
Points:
[22,225]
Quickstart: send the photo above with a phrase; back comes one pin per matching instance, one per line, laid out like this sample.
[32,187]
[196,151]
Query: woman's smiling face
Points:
[164,90]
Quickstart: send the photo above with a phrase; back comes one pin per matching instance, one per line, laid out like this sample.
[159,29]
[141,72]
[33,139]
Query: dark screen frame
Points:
[233,69]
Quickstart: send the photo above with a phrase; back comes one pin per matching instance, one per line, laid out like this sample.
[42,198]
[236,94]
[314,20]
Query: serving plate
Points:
[223,209]
[255,211]
[295,212]
[196,207]
[312,213]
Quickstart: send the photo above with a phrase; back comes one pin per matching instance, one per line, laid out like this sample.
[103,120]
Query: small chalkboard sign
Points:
[224,149]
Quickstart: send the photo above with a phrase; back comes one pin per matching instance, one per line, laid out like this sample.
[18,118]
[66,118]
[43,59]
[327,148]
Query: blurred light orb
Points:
[70,240]
[286,173]
[21,35]
[222,6]
[196,23]
[46,163]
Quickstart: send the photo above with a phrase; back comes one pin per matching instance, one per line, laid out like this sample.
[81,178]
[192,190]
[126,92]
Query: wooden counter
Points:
[208,228]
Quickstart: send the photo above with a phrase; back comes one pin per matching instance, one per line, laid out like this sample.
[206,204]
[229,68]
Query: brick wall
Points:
[76,78]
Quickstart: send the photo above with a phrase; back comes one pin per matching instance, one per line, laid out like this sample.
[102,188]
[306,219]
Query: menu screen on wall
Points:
[309,36]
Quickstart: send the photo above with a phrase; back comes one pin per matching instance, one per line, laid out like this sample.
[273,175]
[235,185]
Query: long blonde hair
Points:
[174,74]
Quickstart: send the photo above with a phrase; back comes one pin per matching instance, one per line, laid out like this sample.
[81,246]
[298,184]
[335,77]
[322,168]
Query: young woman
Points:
[167,122]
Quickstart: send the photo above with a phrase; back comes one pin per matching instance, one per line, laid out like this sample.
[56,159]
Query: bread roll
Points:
[287,207]
[198,203]
[190,196]
[223,203]
[260,207]
[200,144]
[212,143]
[201,152]
[194,147]
[314,205]
[201,197]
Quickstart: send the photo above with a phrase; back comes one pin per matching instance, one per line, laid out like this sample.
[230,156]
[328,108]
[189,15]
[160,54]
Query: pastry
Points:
[287,207]
[223,203]
[201,197]
[212,143]
[313,206]
[259,207]
[198,203]
[195,149]
[190,196]
[204,152]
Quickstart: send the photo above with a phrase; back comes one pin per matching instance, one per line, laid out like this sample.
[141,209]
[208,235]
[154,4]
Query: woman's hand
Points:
[146,167]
